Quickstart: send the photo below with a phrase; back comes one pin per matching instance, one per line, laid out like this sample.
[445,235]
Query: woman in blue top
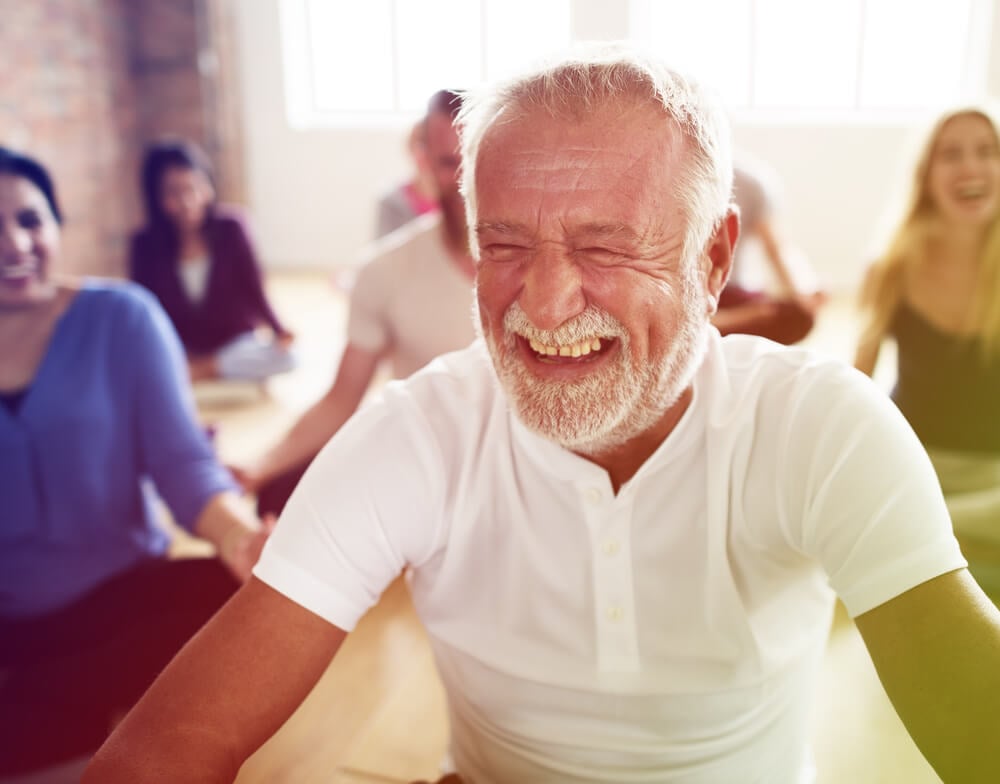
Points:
[95,410]
[936,291]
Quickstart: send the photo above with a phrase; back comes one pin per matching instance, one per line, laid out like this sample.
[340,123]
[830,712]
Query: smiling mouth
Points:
[17,271]
[971,192]
[583,351]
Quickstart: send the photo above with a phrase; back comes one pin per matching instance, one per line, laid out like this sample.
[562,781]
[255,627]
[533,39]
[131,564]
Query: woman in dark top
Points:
[936,291]
[196,256]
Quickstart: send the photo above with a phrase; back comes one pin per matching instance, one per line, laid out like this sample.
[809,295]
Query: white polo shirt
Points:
[670,633]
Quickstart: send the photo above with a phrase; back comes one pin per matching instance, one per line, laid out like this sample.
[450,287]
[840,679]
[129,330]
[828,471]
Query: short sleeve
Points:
[869,505]
[368,318]
[368,506]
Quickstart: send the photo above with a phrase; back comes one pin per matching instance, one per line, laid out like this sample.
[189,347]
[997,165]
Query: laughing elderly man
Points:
[622,529]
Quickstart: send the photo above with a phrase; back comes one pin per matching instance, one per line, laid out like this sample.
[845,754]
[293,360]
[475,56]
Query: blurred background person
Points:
[936,291]
[197,257]
[413,198]
[95,410]
[411,302]
[789,315]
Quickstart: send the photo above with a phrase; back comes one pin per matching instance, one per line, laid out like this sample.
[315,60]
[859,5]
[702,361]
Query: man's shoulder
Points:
[784,416]
[754,366]
[467,372]
[407,254]
[749,353]
[416,240]
[754,383]
[455,390]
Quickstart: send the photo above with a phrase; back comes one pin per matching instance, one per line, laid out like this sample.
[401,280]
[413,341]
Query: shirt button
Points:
[615,613]
[594,496]
[610,547]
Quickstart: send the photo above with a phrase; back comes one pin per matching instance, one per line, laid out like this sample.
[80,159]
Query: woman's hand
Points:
[246,477]
[241,547]
[235,531]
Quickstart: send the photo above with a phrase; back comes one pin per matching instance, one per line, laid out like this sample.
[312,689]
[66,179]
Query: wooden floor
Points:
[378,714]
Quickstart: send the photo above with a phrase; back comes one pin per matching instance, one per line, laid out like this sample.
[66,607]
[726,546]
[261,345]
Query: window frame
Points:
[301,107]
[303,114]
[973,89]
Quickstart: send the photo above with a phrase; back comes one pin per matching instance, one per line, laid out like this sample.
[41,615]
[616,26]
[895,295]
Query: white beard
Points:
[607,407]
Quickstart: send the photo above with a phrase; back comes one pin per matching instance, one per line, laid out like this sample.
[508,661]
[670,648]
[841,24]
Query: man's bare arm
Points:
[320,421]
[227,691]
[774,253]
[937,652]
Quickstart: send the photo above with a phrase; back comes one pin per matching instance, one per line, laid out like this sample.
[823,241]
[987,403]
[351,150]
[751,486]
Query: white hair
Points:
[592,75]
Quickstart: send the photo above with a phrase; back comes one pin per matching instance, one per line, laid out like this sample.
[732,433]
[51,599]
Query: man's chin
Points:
[574,417]
[559,432]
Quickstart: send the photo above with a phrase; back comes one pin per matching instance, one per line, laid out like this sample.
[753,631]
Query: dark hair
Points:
[163,155]
[445,102]
[20,165]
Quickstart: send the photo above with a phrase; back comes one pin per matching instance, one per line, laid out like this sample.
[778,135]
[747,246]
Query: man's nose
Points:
[552,292]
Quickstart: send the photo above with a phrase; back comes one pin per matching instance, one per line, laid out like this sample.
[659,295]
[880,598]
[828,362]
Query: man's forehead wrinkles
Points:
[646,241]
[542,158]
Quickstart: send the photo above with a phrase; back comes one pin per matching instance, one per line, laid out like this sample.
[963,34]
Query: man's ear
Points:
[720,255]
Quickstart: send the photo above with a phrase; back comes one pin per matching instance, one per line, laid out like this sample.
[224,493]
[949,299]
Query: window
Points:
[825,55]
[378,60]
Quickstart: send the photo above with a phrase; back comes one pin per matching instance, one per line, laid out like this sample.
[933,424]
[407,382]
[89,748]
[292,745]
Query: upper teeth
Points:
[971,190]
[574,350]
[16,270]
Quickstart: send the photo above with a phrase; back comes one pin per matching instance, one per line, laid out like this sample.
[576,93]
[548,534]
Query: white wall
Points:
[312,192]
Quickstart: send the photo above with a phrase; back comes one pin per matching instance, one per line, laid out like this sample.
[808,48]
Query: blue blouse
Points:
[108,415]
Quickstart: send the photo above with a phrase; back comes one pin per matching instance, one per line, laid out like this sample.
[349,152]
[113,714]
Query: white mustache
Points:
[593,322]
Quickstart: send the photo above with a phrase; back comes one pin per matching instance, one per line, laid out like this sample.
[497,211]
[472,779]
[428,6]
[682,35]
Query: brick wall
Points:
[226,144]
[85,83]
[185,71]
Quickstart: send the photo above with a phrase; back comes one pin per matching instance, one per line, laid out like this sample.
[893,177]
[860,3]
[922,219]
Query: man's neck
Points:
[623,462]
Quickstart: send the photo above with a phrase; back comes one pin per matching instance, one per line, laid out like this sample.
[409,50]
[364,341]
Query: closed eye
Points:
[599,255]
[502,252]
